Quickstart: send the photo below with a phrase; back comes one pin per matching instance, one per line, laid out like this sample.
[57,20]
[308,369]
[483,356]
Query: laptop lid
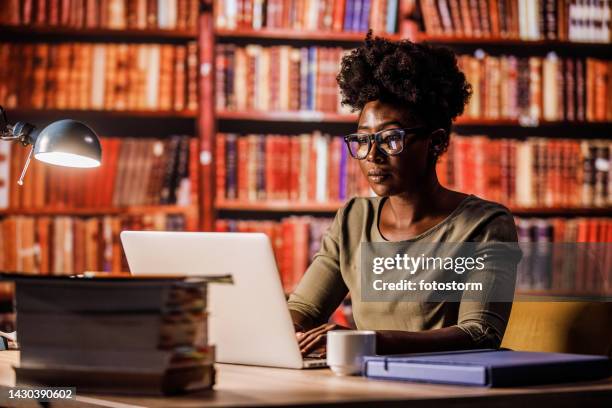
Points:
[249,321]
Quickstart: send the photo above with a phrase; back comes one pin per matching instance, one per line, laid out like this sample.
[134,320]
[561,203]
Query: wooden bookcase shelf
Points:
[332,206]
[94,34]
[288,116]
[147,209]
[279,206]
[313,116]
[295,35]
[114,114]
[556,293]
[422,37]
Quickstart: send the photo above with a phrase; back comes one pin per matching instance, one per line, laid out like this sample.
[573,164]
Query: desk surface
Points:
[261,386]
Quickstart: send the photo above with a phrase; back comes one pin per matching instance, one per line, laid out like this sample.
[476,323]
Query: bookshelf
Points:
[410,25]
[97,34]
[78,220]
[330,207]
[327,117]
[148,209]
[227,35]
[107,113]
[207,120]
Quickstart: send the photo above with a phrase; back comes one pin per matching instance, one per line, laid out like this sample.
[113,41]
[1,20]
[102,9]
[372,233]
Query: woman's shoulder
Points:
[357,207]
[486,220]
[474,205]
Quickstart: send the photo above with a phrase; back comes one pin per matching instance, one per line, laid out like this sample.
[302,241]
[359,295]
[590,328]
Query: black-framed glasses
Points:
[390,142]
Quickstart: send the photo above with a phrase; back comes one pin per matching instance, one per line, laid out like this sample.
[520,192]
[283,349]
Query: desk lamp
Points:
[65,142]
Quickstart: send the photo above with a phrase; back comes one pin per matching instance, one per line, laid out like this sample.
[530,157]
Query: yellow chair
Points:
[566,327]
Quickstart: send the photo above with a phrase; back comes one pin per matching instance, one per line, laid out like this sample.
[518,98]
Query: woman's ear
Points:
[436,142]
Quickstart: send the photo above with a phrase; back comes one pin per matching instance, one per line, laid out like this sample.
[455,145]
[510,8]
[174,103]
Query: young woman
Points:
[407,94]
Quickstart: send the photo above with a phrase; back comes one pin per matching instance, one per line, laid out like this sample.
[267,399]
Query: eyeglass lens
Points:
[390,141]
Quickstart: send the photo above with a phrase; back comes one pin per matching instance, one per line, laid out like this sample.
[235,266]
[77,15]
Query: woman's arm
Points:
[321,289]
[301,322]
[396,341]
[400,342]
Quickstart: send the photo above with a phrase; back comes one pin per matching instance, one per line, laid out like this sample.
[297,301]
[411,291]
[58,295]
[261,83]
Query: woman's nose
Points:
[374,155]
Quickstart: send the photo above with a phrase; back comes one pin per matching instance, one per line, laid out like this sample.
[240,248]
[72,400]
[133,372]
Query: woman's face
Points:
[392,175]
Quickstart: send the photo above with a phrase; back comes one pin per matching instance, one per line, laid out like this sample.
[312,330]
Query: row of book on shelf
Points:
[134,172]
[535,172]
[285,78]
[107,14]
[296,240]
[255,77]
[307,168]
[312,15]
[551,88]
[99,76]
[317,167]
[582,267]
[565,20]
[68,245]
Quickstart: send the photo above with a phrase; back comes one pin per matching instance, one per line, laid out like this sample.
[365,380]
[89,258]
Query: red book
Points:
[333,172]
[26,12]
[312,168]
[65,13]
[41,12]
[79,237]
[582,237]
[294,178]
[285,173]
[243,156]
[269,167]
[111,172]
[221,226]
[287,255]
[300,254]
[43,237]
[194,169]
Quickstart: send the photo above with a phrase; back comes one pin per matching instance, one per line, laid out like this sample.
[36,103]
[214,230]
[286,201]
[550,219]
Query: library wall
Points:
[262,151]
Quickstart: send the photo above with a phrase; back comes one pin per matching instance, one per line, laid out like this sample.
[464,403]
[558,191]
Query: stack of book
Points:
[99,76]
[111,14]
[312,15]
[571,20]
[114,334]
[133,172]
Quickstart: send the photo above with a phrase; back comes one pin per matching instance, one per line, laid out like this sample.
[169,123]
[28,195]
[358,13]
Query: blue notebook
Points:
[492,368]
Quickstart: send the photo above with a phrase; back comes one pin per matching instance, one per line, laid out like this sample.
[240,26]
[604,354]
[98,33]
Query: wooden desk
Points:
[259,386]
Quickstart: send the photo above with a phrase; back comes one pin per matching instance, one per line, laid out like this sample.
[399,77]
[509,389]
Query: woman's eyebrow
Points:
[382,125]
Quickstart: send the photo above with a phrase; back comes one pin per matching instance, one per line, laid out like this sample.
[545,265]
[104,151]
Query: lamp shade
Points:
[68,143]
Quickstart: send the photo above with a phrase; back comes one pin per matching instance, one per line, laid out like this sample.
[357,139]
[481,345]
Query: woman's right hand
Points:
[314,341]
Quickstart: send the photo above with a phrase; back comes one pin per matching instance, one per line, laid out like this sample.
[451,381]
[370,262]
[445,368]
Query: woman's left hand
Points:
[314,340]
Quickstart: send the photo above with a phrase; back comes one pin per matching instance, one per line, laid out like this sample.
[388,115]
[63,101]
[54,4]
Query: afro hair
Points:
[424,79]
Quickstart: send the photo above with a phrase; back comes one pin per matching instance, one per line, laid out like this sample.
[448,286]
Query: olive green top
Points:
[335,271]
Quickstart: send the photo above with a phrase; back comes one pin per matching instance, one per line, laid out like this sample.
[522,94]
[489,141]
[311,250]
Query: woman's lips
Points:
[378,176]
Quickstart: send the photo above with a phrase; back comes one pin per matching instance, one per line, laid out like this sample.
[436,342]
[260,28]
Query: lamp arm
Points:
[20,131]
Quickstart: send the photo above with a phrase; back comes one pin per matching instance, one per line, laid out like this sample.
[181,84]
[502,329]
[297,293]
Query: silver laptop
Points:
[249,321]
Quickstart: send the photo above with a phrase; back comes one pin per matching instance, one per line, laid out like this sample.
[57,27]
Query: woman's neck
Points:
[416,204]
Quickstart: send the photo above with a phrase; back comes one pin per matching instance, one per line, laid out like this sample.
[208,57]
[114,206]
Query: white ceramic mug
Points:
[346,348]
